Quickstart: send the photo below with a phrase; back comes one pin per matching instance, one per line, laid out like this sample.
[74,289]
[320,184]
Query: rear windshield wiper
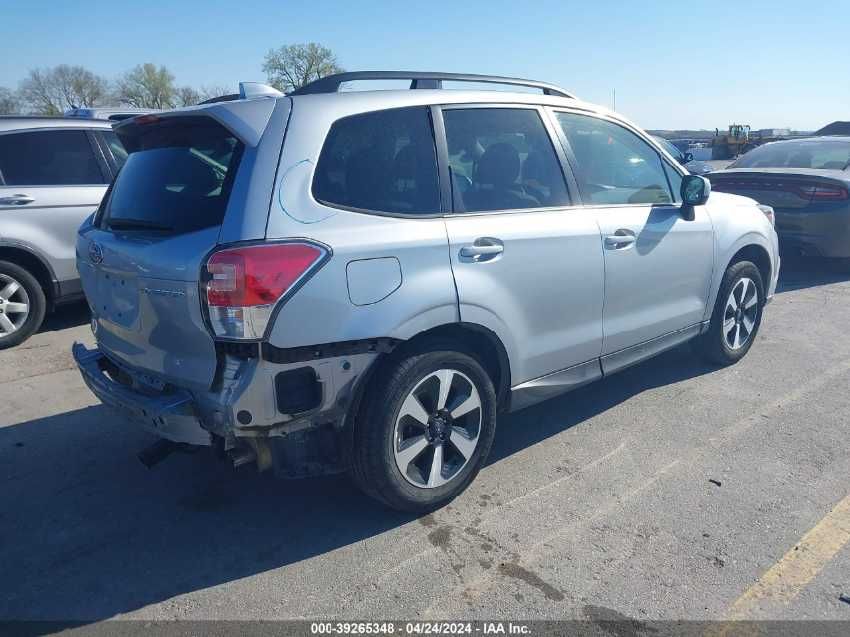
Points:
[138,224]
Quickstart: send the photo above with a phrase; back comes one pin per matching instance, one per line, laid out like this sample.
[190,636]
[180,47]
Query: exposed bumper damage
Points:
[287,413]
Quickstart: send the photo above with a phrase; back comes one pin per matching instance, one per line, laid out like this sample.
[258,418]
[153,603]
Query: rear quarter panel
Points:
[322,311]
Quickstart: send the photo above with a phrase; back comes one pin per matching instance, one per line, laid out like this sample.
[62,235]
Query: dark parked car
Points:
[694,166]
[806,181]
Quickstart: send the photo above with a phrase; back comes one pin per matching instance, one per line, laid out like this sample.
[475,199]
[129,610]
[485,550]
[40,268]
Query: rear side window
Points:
[48,158]
[177,176]
[502,159]
[614,166]
[119,153]
[383,161]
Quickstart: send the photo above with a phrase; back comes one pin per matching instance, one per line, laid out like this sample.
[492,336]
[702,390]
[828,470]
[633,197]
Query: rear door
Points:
[658,265]
[50,181]
[141,259]
[526,261]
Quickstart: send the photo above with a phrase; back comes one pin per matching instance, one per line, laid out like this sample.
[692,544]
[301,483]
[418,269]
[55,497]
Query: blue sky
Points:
[678,64]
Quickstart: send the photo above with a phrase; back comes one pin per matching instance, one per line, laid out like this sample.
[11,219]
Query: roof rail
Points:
[422,80]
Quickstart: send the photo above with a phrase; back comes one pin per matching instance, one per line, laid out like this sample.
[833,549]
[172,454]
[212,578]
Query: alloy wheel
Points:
[14,305]
[437,428]
[740,313]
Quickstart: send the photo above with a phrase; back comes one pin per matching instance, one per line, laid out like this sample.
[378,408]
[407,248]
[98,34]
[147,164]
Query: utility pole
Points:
[614,99]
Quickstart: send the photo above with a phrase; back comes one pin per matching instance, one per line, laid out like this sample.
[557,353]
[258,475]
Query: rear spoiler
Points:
[246,117]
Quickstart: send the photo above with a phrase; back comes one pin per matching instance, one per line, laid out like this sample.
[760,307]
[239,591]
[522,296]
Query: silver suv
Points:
[53,174]
[361,281]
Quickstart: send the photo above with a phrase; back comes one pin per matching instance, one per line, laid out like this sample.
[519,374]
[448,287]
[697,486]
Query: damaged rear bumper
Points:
[170,415]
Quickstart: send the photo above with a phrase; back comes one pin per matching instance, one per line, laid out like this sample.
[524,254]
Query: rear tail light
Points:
[825,193]
[243,285]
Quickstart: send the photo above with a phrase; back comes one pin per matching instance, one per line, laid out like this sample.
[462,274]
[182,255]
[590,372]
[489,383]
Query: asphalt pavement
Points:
[674,490]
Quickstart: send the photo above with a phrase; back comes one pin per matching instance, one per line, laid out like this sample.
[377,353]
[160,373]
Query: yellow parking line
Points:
[799,566]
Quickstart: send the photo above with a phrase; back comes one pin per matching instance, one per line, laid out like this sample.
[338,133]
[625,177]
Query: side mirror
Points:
[695,190]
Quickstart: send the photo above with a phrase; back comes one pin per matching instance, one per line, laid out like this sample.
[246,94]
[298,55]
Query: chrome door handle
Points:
[482,249]
[16,200]
[616,241]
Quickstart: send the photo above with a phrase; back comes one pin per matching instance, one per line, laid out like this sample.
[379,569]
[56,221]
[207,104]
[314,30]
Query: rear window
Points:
[808,153]
[177,177]
[383,161]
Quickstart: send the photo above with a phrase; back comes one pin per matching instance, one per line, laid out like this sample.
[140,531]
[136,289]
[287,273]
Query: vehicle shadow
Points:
[65,316]
[86,532]
[799,272]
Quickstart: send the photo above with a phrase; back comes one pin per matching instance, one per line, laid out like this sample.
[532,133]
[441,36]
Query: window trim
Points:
[428,110]
[566,170]
[554,110]
[87,131]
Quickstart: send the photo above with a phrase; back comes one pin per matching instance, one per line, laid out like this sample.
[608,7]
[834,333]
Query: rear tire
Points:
[22,305]
[737,315]
[410,451]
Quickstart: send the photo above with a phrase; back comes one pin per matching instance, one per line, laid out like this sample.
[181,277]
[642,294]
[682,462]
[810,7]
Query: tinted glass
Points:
[670,148]
[48,158]
[810,153]
[117,148]
[177,179]
[675,180]
[614,166]
[502,159]
[383,161]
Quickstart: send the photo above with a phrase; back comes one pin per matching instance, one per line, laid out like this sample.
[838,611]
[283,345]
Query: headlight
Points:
[768,212]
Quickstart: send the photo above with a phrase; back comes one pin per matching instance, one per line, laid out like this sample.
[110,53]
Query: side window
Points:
[675,181]
[383,161]
[614,166]
[48,158]
[502,159]
[119,153]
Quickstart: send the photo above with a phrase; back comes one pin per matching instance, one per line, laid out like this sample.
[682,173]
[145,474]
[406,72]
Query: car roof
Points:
[364,101]
[813,138]
[30,122]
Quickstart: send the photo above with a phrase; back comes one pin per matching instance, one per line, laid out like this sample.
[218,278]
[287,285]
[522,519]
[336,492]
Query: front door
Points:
[526,262]
[658,264]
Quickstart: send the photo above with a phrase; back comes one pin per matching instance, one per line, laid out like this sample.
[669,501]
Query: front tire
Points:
[22,305]
[737,315]
[425,431]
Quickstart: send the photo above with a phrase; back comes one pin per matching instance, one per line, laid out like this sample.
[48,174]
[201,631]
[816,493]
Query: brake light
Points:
[825,193]
[244,284]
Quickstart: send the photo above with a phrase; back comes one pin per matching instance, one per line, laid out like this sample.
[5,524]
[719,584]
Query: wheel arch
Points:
[35,264]
[752,247]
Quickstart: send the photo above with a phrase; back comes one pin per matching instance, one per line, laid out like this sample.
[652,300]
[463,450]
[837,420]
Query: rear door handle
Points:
[482,249]
[620,239]
[16,200]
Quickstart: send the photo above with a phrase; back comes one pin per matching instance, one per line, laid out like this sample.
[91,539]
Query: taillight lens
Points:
[244,284]
[825,193]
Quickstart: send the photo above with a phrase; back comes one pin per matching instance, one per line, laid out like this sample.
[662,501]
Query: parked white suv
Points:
[360,281]
[53,174]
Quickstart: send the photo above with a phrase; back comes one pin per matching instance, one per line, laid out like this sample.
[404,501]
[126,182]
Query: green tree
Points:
[147,86]
[51,91]
[292,66]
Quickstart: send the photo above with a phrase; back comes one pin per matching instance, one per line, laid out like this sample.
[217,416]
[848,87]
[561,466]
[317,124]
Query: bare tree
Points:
[292,66]
[187,96]
[52,91]
[10,103]
[215,90]
[147,86]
